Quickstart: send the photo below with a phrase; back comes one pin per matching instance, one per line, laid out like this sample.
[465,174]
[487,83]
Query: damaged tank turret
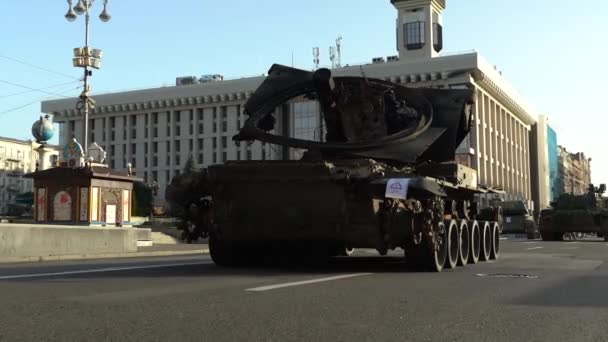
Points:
[383,176]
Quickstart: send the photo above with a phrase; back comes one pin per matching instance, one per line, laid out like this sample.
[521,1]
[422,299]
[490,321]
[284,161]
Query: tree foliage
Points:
[142,199]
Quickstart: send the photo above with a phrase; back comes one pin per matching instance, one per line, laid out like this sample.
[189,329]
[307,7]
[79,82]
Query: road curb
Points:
[31,259]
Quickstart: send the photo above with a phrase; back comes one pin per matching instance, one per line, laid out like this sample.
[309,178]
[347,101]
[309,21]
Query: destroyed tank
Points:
[587,213]
[383,178]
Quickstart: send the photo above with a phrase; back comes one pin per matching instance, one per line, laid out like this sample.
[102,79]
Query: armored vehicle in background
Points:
[518,219]
[586,213]
[383,178]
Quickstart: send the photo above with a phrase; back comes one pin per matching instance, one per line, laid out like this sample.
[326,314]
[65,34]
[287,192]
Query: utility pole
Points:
[86,57]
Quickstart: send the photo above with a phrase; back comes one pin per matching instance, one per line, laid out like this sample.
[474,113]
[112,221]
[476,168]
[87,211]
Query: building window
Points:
[224,142]
[191,130]
[178,131]
[168,117]
[154,176]
[112,136]
[214,157]
[178,145]
[214,142]
[177,172]
[200,114]
[201,128]
[124,149]
[146,131]
[155,147]
[214,126]
[146,120]
[133,133]
[224,126]
[168,160]
[133,149]
[124,134]
[156,132]
[178,116]
[200,158]
[177,159]
[112,122]
[145,161]
[191,114]
[168,177]
[168,146]
[155,118]
[414,35]
[155,161]
[224,112]
[200,144]
[168,131]
[248,154]
[238,155]
[437,37]
[191,145]
[93,137]
[112,150]
[224,156]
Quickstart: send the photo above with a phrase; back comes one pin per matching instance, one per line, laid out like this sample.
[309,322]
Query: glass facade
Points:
[306,123]
[552,153]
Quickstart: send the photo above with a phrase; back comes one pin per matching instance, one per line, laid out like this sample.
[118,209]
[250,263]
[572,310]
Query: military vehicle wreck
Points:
[586,213]
[384,178]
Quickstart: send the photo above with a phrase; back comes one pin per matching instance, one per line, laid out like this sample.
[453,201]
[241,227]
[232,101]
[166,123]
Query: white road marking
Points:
[530,242]
[531,248]
[305,282]
[568,248]
[504,238]
[99,270]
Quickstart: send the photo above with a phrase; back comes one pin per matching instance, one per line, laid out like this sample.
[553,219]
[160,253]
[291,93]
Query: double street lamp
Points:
[86,57]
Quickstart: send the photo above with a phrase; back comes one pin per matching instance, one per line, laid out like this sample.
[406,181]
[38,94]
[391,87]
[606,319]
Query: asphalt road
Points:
[536,291]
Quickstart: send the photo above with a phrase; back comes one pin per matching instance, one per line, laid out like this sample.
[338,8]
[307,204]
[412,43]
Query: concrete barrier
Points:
[27,240]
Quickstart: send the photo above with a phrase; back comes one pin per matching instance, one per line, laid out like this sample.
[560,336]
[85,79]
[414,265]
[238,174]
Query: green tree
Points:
[142,199]
[189,167]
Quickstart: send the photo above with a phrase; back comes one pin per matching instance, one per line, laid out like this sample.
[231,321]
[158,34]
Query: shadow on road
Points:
[268,268]
[586,291]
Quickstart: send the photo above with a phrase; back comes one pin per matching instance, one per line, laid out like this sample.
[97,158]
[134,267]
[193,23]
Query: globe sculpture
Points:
[42,130]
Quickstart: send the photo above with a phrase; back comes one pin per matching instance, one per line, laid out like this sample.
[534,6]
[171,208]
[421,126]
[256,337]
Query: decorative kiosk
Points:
[83,191]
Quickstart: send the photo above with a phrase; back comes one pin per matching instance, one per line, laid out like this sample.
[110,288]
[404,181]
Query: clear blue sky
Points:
[552,51]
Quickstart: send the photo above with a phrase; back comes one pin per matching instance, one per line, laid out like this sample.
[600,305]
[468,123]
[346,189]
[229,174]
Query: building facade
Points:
[18,157]
[553,163]
[574,171]
[157,130]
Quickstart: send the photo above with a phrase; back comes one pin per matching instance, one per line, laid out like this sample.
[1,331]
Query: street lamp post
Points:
[86,57]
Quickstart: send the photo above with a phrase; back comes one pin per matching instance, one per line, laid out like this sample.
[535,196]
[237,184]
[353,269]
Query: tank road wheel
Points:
[348,251]
[495,250]
[465,246]
[453,239]
[486,241]
[223,253]
[474,242]
[430,254]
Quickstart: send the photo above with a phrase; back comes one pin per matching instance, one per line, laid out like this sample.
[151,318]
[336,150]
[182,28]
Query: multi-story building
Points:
[553,163]
[574,172]
[158,129]
[18,157]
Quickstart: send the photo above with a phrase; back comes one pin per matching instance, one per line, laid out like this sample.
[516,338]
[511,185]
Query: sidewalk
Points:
[151,251]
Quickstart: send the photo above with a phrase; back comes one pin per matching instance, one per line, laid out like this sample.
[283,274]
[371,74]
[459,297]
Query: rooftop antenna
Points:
[338,48]
[315,53]
[332,56]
